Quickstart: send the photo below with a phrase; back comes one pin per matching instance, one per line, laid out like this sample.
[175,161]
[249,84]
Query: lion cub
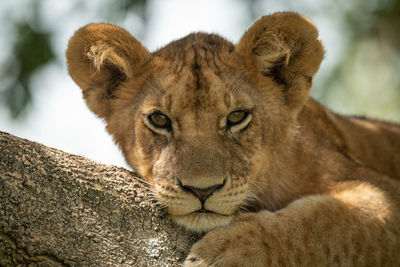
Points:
[230,142]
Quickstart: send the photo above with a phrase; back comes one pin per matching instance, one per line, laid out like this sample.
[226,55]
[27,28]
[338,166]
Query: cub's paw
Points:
[237,245]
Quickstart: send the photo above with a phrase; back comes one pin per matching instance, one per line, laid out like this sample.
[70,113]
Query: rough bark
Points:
[58,209]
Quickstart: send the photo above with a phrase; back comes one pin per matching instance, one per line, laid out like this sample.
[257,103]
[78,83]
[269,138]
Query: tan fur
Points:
[297,185]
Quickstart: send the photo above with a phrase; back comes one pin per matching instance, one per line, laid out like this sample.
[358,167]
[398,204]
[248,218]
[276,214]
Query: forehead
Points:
[199,72]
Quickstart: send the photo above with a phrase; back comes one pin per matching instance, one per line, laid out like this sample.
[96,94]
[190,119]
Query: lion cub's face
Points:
[197,136]
[200,118]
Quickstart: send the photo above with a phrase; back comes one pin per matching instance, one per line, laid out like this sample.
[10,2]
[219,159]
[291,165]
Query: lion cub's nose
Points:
[201,193]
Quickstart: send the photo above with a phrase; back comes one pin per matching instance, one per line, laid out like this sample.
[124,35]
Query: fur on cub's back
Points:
[172,113]
[371,143]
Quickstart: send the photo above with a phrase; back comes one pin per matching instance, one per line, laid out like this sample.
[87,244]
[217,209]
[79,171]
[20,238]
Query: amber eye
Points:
[160,120]
[236,117]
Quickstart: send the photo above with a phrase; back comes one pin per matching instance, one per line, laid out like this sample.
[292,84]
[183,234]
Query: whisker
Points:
[144,182]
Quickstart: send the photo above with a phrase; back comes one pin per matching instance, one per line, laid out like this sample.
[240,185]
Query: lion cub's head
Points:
[201,119]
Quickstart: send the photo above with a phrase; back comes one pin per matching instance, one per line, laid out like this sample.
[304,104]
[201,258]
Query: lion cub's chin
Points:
[202,222]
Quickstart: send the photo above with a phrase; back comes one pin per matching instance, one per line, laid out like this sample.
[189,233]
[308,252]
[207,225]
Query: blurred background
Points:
[38,101]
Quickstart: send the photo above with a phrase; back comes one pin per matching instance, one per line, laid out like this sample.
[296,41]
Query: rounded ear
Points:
[285,47]
[100,57]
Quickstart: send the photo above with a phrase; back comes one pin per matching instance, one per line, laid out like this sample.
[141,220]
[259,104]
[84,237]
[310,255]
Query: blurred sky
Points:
[58,116]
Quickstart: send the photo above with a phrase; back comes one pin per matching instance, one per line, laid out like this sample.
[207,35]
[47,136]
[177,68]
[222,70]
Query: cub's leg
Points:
[355,224]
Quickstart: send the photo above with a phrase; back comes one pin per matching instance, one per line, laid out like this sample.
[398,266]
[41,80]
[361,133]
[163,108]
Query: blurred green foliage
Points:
[366,80]
[31,51]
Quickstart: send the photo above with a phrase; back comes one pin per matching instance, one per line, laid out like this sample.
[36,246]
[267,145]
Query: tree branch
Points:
[61,209]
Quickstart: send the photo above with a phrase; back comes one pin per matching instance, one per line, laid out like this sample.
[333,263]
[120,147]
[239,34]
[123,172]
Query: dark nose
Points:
[201,193]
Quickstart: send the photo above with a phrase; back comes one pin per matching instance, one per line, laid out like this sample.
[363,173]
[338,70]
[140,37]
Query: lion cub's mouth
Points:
[203,210]
[202,220]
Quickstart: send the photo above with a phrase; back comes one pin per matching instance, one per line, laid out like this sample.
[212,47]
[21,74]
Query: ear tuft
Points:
[273,55]
[103,55]
[271,50]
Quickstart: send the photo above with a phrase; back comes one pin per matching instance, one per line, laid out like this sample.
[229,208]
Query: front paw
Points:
[237,245]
